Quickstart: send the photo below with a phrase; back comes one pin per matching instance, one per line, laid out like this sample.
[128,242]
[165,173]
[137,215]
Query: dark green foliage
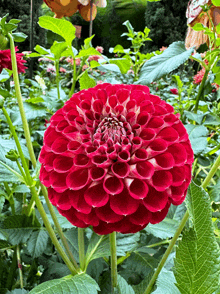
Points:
[167,22]
[21,10]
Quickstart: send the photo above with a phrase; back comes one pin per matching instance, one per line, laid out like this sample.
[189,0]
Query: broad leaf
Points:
[37,243]
[86,82]
[158,66]
[98,247]
[123,287]
[17,228]
[163,230]
[198,137]
[61,27]
[166,283]
[126,242]
[123,63]
[197,263]
[77,284]
[88,52]
[5,75]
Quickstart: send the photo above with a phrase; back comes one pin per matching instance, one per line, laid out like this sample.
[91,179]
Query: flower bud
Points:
[4,42]
[12,155]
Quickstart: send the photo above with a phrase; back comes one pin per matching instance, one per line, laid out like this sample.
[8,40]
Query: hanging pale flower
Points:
[69,7]
[115,157]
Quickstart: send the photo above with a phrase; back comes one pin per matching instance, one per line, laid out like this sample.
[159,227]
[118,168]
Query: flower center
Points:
[110,128]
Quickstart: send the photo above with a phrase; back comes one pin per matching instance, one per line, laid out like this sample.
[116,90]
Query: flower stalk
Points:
[81,244]
[180,228]
[31,150]
[113,247]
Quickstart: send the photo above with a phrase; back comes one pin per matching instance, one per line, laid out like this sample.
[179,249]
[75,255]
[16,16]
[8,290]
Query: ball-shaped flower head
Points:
[5,60]
[63,7]
[115,157]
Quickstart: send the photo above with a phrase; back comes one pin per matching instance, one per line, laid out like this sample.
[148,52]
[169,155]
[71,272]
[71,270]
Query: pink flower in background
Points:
[174,91]
[130,71]
[51,68]
[99,49]
[5,60]
[163,48]
[199,76]
[63,70]
[94,57]
[115,157]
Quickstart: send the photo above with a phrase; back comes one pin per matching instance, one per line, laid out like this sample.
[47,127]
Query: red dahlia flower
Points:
[115,157]
[5,60]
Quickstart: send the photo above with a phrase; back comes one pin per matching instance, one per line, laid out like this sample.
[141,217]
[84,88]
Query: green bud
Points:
[12,155]
[4,42]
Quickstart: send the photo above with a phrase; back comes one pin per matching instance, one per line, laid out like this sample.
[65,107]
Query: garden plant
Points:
[109,165]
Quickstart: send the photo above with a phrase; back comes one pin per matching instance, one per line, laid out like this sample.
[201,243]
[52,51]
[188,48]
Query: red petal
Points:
[72,218]
[168,134]
[178,174]
[62,164]
[44,177]
[77,179]
[161,180]
[141,216]
[144,169]
[96,196]
[76,199]
[59,145]
[120,169]
[113,185]
[138,189]
[106,214]
[97,173]
[122,95]
[179,153]
[123,203]
[58,181]
[157,217]
[163,161]
[62,200]
[155,200]
[90,219]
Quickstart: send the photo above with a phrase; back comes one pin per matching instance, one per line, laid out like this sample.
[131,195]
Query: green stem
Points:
[12,272]
[19,266]
[81,245]
[51,232]
[21,170]
[35,195]
[74,78]
[57,78]
[20,102]
[113,247]
[179,229]
[30,146]
[201,88]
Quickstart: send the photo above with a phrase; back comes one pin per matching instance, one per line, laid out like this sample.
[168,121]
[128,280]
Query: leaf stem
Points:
[81,244]
[179,229]
[57,77]
[19,266]
[113,247]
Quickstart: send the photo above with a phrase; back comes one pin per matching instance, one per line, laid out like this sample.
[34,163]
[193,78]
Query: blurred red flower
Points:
[115,157]
[5,60]
[174,91]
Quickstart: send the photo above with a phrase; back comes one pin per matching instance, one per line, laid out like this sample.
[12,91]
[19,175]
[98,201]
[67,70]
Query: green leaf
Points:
[163,230]
[127,242]
[37,243]
[19,37]
[34,100]
[123,287]
[88,52]
[61,27]
[3,245]
[2,201]
[98,247]
[166,283]
[123,63]
[129,26]
[17,228]
[86,82]
[58,48]
[216,2]
[5,174]
[5,75]
[78,284]
[162,64]
[197,263]
[198,137]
